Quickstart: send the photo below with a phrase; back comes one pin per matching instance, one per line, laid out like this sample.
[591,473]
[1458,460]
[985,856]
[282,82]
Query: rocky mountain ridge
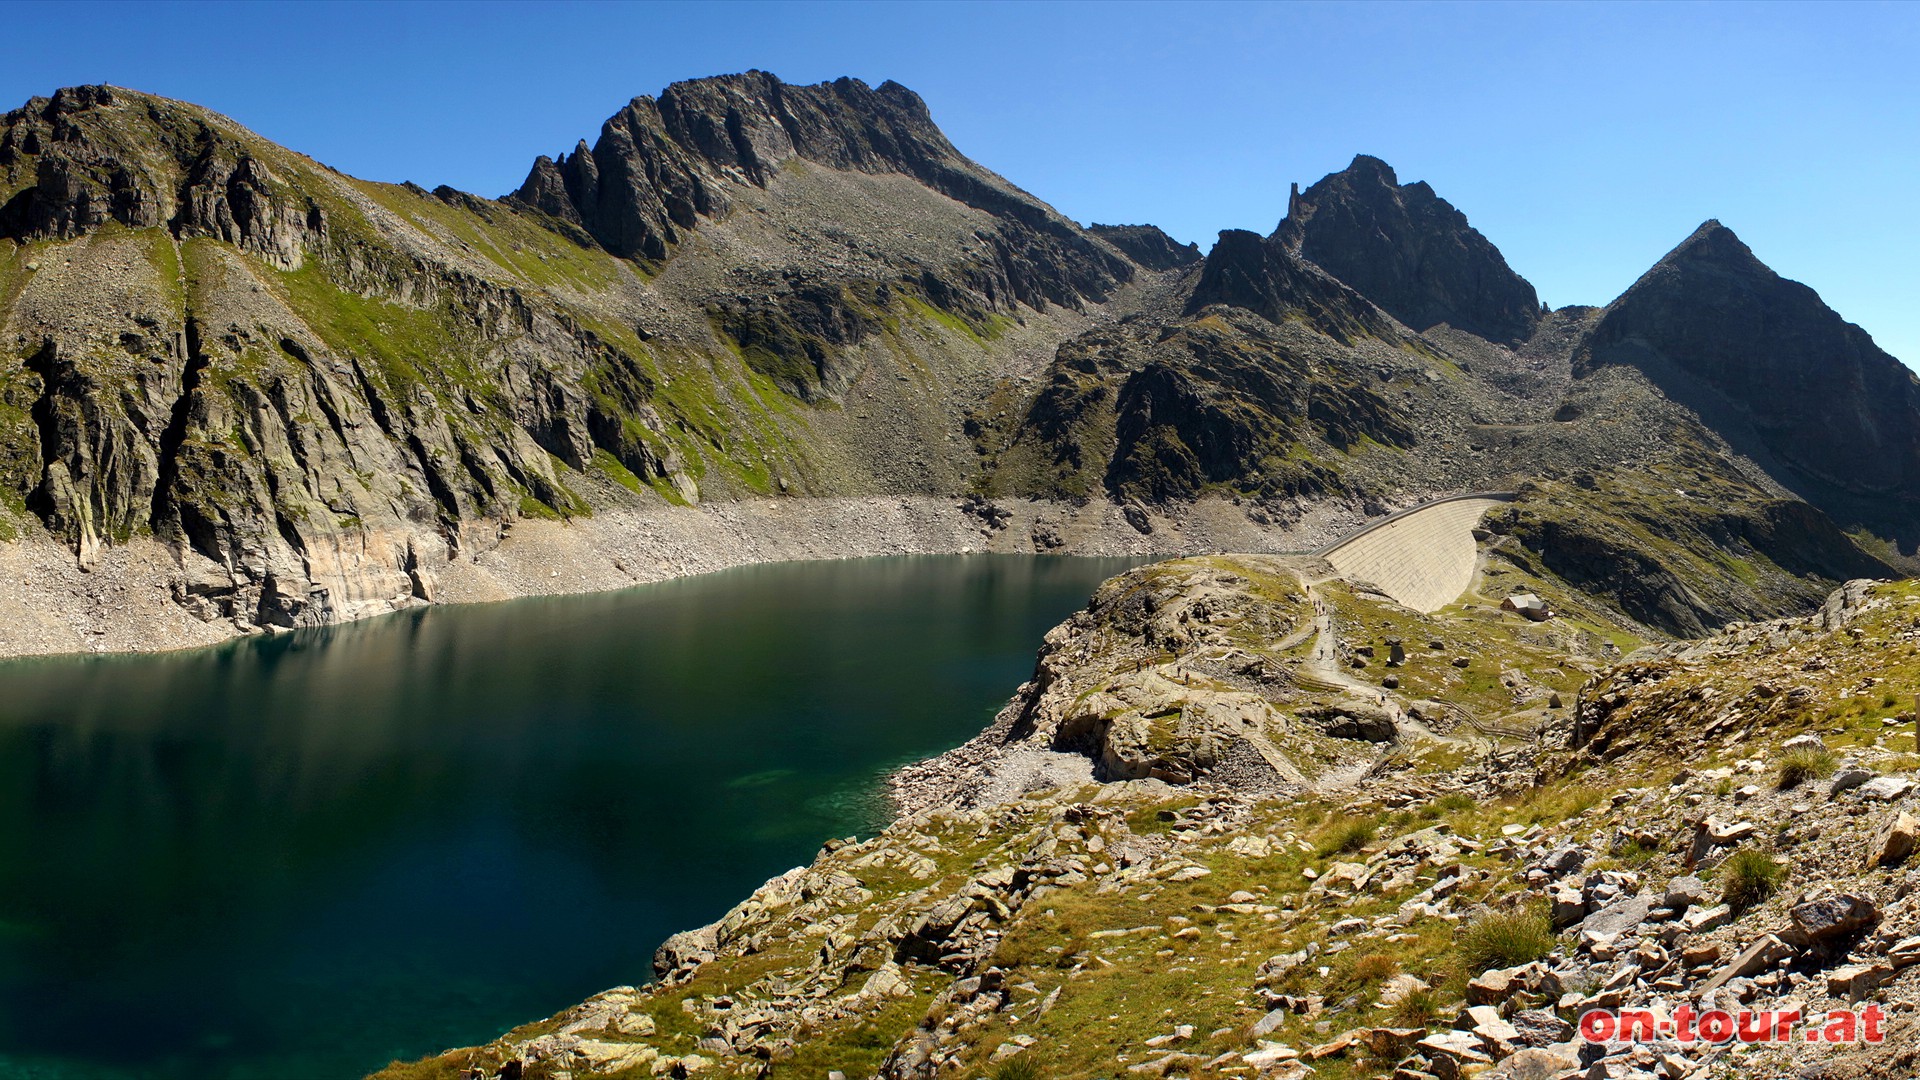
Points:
[1808,390]
[661,165]
[285,397]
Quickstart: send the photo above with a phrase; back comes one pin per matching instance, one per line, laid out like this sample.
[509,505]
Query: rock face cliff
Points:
[662,166]
[1148,246]
[316,391]
[303,397]
[228,348]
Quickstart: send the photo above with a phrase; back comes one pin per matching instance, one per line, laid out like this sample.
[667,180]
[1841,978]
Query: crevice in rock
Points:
[174,434]
[442,491]
[41,363]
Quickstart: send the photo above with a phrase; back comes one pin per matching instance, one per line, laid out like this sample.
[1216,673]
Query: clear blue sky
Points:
[1584,140]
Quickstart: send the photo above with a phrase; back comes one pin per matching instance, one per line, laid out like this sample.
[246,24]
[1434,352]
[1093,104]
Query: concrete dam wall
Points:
[1424,556]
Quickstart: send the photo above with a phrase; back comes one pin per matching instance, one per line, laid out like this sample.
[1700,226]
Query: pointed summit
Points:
[1409,251]
[1713,244]
[1828,411]
[1263,275]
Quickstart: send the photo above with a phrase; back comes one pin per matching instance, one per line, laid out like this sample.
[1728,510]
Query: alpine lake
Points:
[308,854]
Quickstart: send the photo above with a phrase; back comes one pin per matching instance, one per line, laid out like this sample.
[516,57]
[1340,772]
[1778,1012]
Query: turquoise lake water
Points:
[307,855]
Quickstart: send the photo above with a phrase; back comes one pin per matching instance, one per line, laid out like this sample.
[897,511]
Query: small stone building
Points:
[1529,605]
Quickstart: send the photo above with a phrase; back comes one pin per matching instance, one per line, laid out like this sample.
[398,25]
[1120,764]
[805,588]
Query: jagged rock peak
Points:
[1820,397]
[1409,251]
[662,165]
[1148,246]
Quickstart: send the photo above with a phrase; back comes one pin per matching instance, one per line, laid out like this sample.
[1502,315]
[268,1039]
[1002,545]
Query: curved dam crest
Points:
[1423,557]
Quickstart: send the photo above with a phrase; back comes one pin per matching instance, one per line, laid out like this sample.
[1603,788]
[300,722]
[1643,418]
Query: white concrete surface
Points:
[1423,557]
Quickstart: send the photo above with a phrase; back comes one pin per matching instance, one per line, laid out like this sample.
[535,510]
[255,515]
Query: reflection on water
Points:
[307,855]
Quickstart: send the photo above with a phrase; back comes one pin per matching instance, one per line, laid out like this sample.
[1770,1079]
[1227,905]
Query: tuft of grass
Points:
[1417,1010]
[1021,1067]
[1748,877]
[448,1066]
[1455,802]
[1344,836]
[1804,763]
[1504,939]
[1375,968]
[1359,975]
[1636,853]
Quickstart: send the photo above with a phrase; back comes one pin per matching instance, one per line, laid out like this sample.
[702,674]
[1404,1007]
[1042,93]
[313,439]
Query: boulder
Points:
[1568,906]
[1885,788]
[1753,960]
[1729,833]
[1700,920]
[1905,952]
[1270,1023]
[1336,1047]
[1390,1043]
[1269,1058]
[1452,1053]
[1275,968]
[1564,860]
[1684,893]
[1539,1028]
[1534,1063]
[1490,987]
[1401,987]
[1895,841]
[1849,778]
[1354,718]
[1619,917]
[1837,916]
[1497,1037]
[1855,980]
[689,948]
[1703,953]
[1495,986]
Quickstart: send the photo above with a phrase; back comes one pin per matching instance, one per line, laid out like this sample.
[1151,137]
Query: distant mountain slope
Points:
[661,165]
